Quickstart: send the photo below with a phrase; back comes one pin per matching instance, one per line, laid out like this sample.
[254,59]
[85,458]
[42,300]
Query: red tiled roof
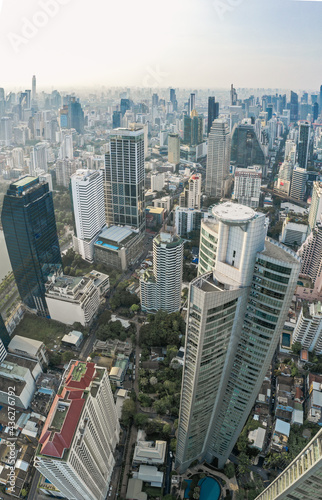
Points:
[55,442]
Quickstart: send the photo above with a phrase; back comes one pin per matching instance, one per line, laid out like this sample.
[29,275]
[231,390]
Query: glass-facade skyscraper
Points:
[29,226]
[245,147]
[236,311]
[125,177]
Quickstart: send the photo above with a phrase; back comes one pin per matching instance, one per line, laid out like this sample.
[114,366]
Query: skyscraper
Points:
[87,190]
[233,96]
[76,115]
[192,103]
[161,289]
[320,98]
[117,115]
[79,437]
[124,178]
[248,186]
[4,338]
[29,226]
[218,159]
[294,106]
[316,205]
[246,149]
[34,88]
[213,112]
[191,196]
[298,186]
[125,105]
[236,312]
[304,144]
[193,129]
[302,479]
[174,149]
[173,99]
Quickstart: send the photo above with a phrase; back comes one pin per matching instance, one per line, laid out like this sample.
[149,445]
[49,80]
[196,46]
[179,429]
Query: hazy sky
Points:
[184,43]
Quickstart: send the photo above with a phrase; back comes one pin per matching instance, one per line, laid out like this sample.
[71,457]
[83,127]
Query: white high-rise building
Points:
[298,186]
[308,329]
[18,158]
[311,256]
[302,479]
[191,196]
[38,158]
[89,210]
[236,312]
[5,131]
[290,151]
[157,182]
[161,289]
[34,88]
[66,148]
[174,149]
[248,186]
[80,434]
[316,205]
[218,159]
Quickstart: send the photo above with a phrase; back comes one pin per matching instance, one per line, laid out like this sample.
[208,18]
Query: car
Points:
[171,454]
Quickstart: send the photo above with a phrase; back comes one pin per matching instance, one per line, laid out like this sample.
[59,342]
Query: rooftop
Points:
[24,181]
[24,344]
[279,252]
[116,234]
[233,212]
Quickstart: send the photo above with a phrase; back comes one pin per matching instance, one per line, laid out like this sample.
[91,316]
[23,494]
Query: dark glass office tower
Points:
[303,145]
[125,105]
[245,147]
[315,111]
[76,115]
[294,107]
[117,115]
[213,111]
[4,335]
[30,232]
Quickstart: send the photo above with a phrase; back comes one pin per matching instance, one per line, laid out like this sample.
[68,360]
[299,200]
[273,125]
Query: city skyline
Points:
[227,35]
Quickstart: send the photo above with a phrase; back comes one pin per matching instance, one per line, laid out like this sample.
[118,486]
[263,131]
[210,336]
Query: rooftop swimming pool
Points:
[210,489]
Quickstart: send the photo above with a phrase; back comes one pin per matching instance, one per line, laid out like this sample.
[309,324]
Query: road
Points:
[33,488]
[167,482]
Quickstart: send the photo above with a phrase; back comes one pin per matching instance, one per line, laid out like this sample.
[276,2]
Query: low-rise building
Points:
[281,434]
[72,299]
[149,474]
[73,339]
[293,233]
[118,246]
[29,348]
[148,452]
[257,438]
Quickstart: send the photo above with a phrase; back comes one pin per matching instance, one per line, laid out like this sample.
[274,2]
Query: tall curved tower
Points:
[236,312]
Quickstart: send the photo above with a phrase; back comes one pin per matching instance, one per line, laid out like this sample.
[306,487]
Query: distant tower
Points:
[173,99]
[191,196]
[233,96]
[29,226]
[87,190]
[117,116]
[298,186]
[218,159]
[294,107]
[213,112]
[174,149]
[34,89]
[316,205]
[161,290]
[304,144]
[192,103]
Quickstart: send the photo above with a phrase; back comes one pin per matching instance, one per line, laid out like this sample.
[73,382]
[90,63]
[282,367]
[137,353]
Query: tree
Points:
[141,419]
[153,381]
[243,464]
[229,470]
[166,431]
[135,308]
[128,411]
[173,445]
[296,347]
[67,356]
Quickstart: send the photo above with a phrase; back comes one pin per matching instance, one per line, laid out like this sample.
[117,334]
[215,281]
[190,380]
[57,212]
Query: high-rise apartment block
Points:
[308,329]
[124,178]
[248,186]
[236,312]
[298,186]
[311,256]
[302,479]
[29,225]
[161,289]
[316,205]
[218,159]
[157,182]
[80,434]
[191,196]
[87,188]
